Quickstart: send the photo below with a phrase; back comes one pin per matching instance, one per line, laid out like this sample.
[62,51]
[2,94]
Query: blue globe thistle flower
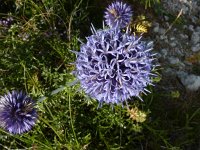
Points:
[17,112]
[118,14]
[113,66]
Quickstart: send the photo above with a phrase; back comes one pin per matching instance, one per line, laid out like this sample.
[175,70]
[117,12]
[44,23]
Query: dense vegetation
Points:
[36,39]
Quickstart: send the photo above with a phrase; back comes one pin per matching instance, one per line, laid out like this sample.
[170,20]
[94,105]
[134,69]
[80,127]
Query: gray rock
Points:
[196,48]
[164,52]
[195,37]
[198,29]
[173,60]
[185,26]
[167,24]
[194,19]
[156,29]
[183,36]
[166,40]
[189,7]
[166,18]
[191,27]
[161,31]
[179,52]
[163,37]
[172,38]
[172,44]
[179,43]
[191,82]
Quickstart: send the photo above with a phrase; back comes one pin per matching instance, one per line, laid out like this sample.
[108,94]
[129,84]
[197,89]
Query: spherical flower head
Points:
[113,66]
[118,14]
[17,112]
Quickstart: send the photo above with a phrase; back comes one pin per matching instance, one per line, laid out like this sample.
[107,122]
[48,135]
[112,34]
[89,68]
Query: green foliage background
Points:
[35,57]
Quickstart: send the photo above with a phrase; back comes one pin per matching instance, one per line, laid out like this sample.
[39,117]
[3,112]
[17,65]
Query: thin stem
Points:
[51,128]
[71,122]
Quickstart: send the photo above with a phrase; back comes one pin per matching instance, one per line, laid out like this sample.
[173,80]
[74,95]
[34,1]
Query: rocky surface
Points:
[189,7]
[190,81]
[178,45]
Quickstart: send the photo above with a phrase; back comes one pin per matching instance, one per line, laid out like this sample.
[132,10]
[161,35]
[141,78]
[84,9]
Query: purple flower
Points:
[112,66]
[17,112]
[118,14]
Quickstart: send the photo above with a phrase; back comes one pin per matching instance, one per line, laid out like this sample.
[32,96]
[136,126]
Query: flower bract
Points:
[112,65]
[118,14]
[17,112]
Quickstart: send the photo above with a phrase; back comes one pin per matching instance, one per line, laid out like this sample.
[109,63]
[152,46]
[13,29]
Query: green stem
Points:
[71,122]
[51,128]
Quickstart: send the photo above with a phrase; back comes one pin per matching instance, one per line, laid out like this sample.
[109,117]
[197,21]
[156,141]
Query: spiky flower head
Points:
[113,66]
[118,14]
[17,112]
